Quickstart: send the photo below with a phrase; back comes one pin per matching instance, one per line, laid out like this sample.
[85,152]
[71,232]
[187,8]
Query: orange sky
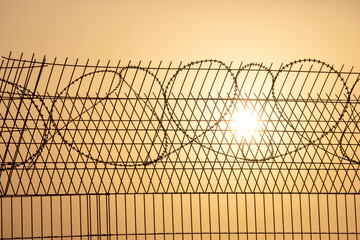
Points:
[260,31]
[228,30]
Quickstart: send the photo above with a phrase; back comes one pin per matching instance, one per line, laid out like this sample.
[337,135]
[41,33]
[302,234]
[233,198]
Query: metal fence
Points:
[200,150]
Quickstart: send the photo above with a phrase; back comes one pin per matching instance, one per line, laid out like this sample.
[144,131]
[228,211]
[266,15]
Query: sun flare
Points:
[244,124]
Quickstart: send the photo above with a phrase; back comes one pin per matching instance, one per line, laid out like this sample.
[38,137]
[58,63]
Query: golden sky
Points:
[158,30]
[249,31]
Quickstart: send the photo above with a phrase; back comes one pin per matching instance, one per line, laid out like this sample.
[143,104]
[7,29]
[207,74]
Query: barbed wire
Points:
[160,109]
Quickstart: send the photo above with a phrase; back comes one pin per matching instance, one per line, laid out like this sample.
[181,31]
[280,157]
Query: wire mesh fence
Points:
[200,150]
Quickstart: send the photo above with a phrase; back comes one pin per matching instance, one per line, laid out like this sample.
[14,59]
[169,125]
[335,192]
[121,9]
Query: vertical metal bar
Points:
[172,215]
[2,217]
[209,204]
[346,217]
[163,214]
[135,217]
[71,217]
[318,212]
[255,218]
[273,212]
[61,217]
[144,207]
[52,217]
[108,216]
[80,215]
[328,214]
[22,217]
[337,217]
[98,216]
[32,217]
[356,217]
[154,216]
[116,217]
[246,217]
[218,214]
[264,207]
[301,217]
[182,216]
[191,220]
[12,217]
[42,217]
[126,217]
[237,216]
[310,223]
[88,205]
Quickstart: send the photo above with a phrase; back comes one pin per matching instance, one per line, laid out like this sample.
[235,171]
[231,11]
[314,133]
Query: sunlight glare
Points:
[244,124]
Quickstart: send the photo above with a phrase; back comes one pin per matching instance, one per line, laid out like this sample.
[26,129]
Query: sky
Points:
[158,30]
[249,31]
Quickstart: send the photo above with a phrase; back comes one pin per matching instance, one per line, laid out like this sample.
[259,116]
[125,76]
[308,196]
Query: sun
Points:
[244,124]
